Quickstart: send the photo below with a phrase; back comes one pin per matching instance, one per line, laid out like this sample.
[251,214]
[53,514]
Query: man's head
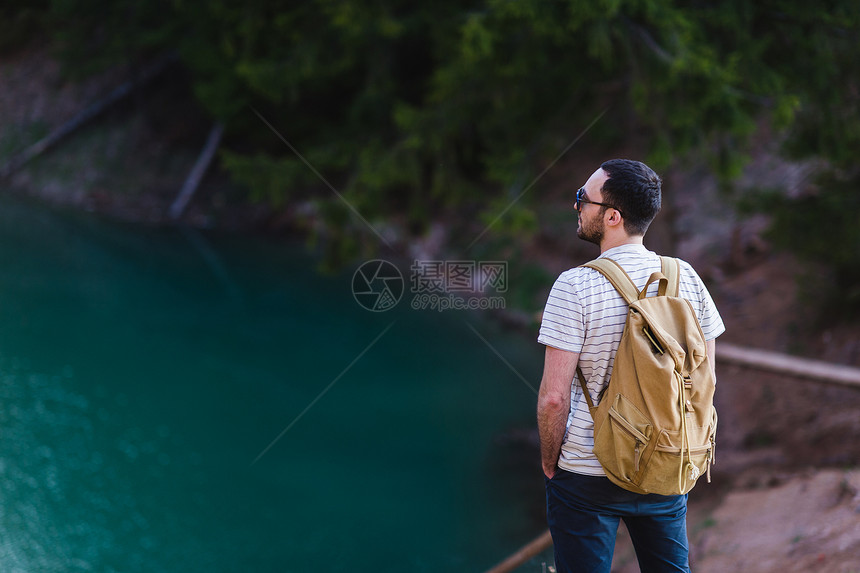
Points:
[633,189]
[618,202]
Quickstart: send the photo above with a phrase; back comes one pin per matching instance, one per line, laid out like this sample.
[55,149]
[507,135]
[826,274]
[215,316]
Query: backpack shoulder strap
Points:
[585,393]
[671,269]
[617,276]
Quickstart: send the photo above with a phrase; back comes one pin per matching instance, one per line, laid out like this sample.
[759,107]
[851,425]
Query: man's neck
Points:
[611,243]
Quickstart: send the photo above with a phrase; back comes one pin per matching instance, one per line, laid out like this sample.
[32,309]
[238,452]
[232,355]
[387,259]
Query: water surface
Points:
[143,371]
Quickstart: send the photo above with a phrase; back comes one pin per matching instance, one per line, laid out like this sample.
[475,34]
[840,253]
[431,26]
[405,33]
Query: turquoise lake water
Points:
[143,371]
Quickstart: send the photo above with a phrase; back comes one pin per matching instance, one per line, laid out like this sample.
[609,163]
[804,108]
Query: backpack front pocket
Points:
[621,441]
[678,469]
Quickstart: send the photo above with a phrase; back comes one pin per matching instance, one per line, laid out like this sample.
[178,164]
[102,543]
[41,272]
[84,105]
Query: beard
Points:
[591,231]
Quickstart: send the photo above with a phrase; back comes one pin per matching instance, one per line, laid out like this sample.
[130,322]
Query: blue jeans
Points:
[583,514]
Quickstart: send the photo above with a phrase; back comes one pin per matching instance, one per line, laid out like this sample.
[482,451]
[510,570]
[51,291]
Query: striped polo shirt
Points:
[585,314]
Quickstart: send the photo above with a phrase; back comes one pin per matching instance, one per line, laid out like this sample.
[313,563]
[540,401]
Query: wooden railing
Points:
[805,368]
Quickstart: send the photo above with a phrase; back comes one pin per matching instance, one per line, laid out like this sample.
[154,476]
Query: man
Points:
[582,326]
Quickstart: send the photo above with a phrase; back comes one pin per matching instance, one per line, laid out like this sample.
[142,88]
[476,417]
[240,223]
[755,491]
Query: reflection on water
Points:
[142,371]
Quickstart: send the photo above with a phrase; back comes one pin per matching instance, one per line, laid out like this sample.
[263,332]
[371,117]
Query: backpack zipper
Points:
[636,454]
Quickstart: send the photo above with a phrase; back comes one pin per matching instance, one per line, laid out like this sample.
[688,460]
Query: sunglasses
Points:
[581,199]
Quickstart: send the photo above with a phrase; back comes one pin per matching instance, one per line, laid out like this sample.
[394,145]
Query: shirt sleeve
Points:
[563,324]
[709,317]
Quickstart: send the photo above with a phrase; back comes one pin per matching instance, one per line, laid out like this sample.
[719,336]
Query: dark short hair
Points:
[634,189]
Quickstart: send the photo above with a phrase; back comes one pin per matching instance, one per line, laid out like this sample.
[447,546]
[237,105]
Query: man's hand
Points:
[554,404]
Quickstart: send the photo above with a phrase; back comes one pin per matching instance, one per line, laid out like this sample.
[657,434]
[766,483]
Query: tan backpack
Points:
[655,423]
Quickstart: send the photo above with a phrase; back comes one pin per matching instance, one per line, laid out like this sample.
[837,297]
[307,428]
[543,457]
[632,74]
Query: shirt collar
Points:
[632,249]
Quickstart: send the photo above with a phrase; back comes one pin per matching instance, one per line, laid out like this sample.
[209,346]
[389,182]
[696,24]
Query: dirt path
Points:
[809,523]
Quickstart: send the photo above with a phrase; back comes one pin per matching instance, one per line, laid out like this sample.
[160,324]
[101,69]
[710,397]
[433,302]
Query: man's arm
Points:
[554,404]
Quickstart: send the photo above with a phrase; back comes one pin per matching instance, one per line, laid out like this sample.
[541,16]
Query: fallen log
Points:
[524,553]
[87,114]
[197,172]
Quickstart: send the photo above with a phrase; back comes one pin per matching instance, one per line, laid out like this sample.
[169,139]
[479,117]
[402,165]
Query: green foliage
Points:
[92,35]
[266,176]
[527,279]
[821,228]
[811,52]
[416,112]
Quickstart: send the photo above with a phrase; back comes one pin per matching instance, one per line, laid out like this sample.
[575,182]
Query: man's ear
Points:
[614,217]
